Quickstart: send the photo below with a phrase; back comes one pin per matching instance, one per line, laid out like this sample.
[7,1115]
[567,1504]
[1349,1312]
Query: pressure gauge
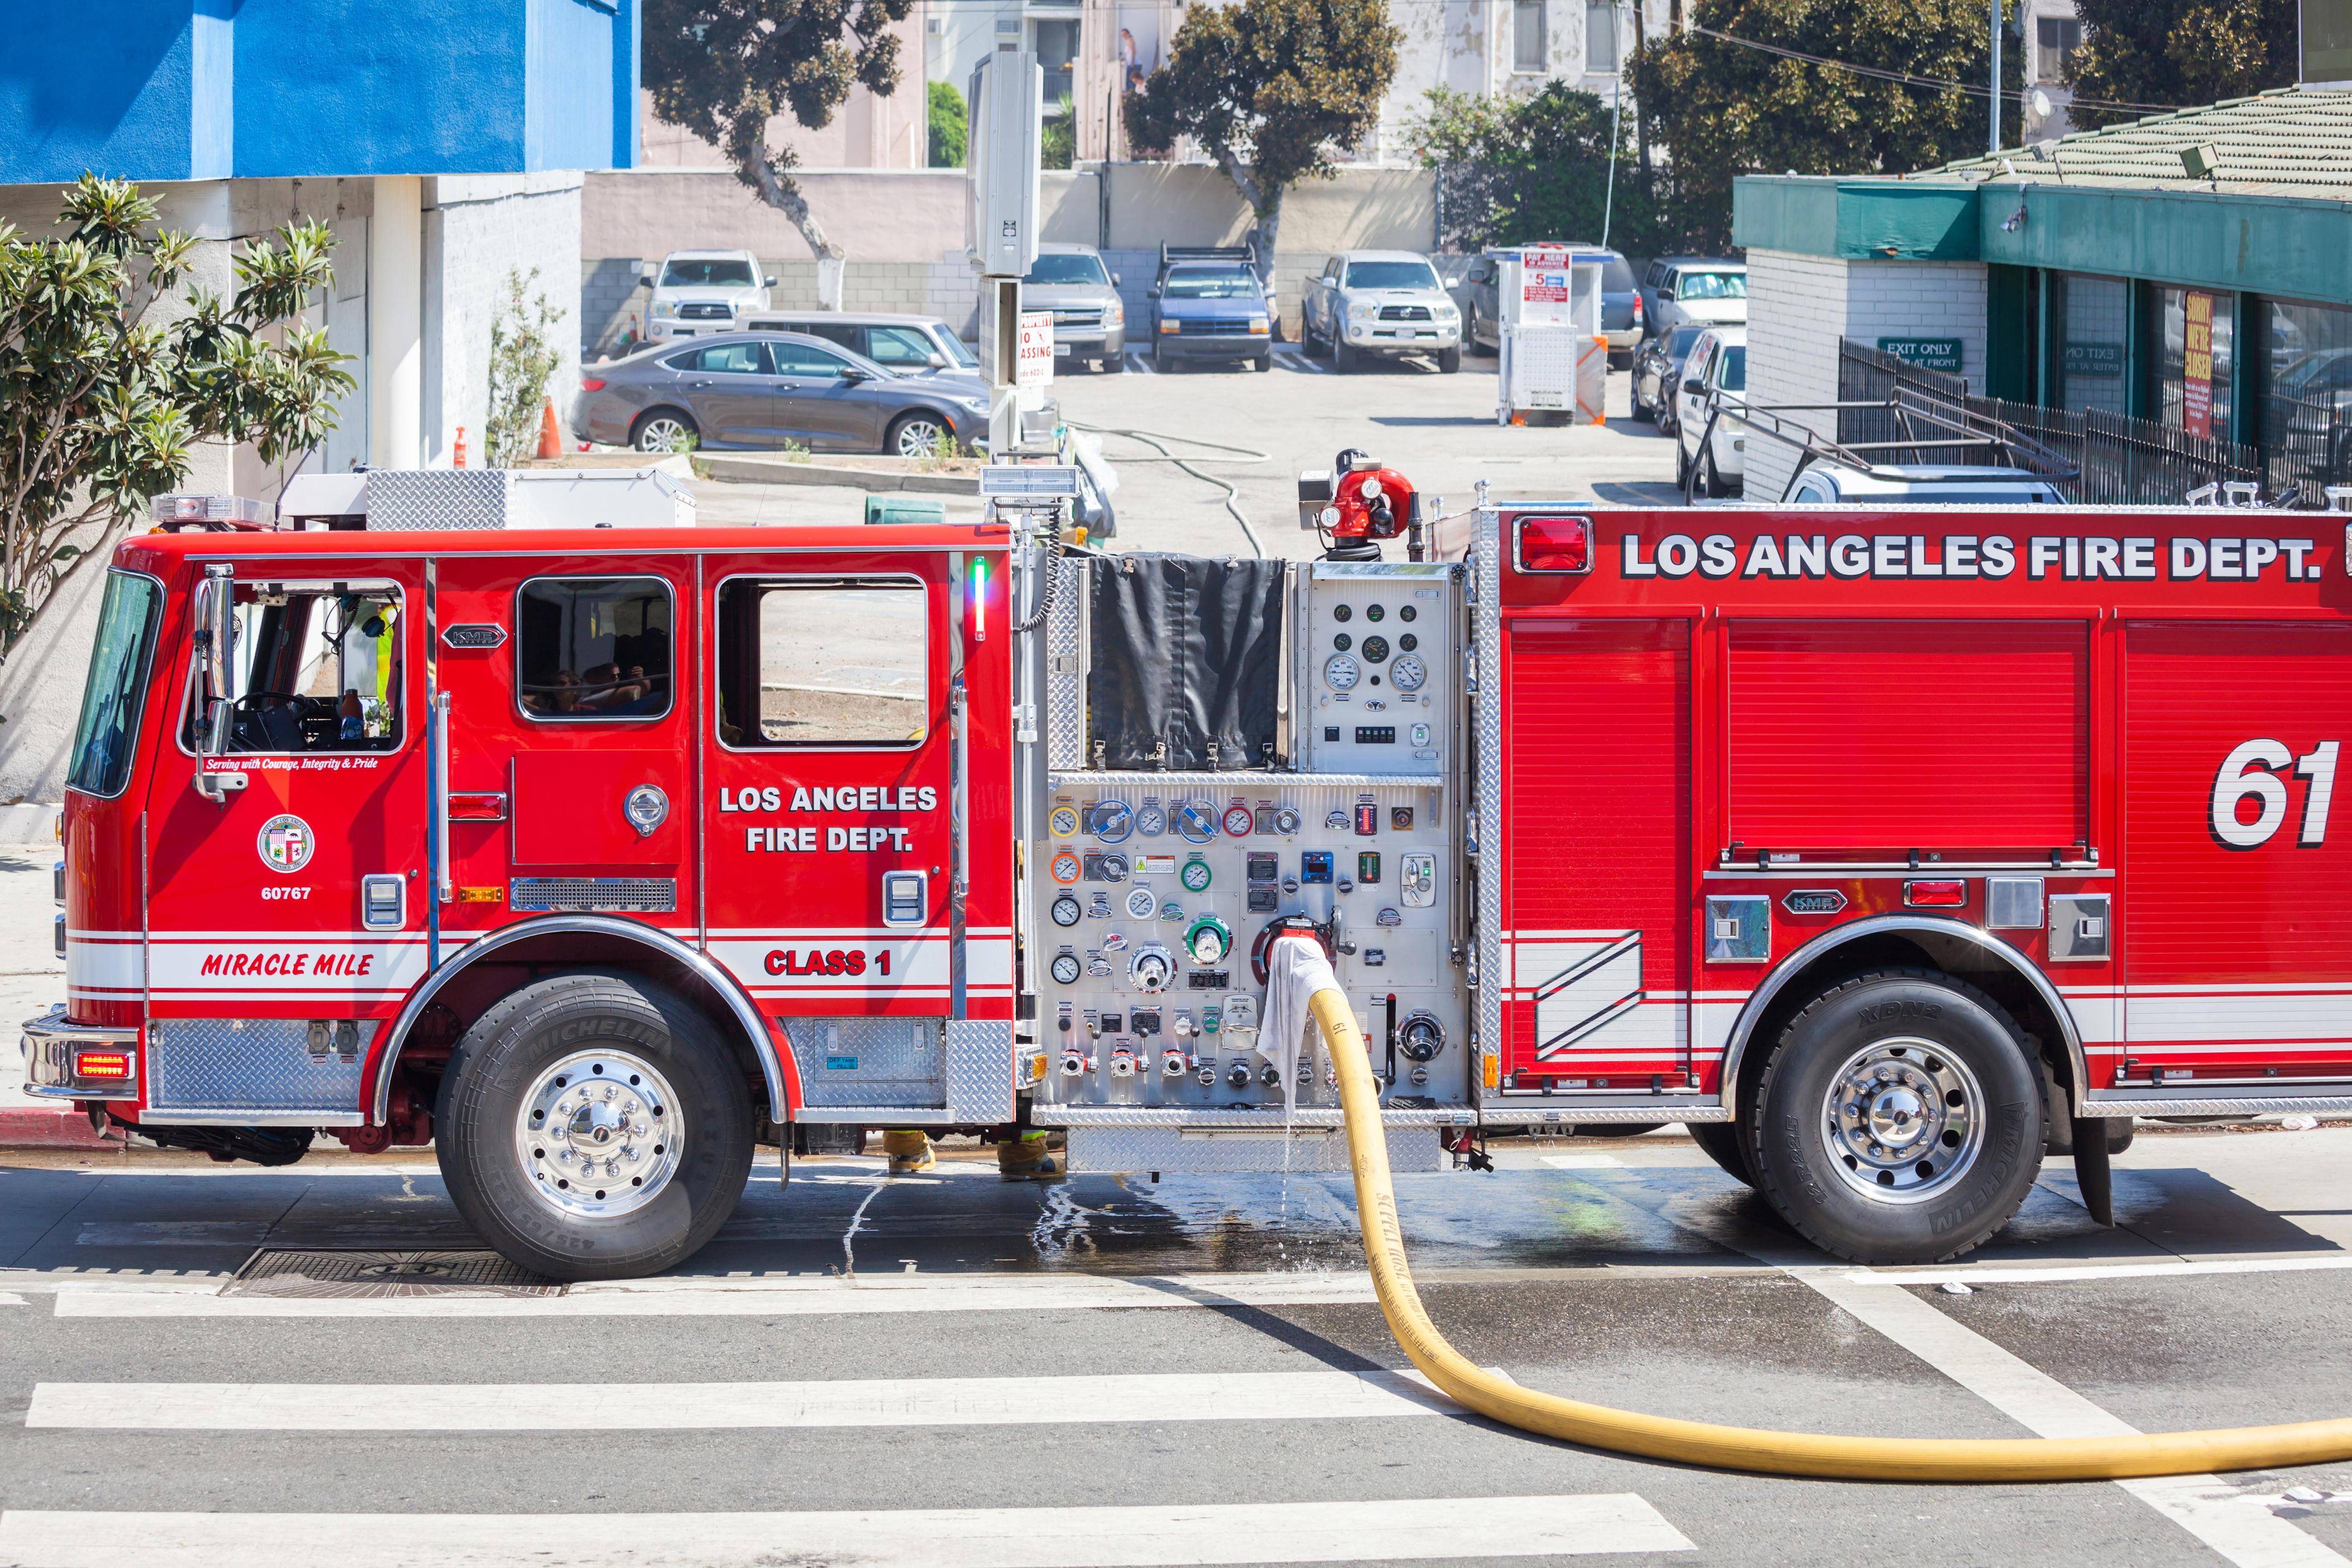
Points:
[1341,673]
[1065,867]
[1152,821]
[1065,910]
[1196,823]
[1141,905]
[1062,821]
[1408,672]
[1342,643]
[1208,940]
[1195,875]
[1151,968]
[1239,820]
[1286,821]
[1375,649]
[1065,968]
[1113,821]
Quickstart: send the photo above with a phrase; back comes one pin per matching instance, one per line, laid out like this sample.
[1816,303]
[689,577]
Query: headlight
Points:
[1258,323]
[1362,310]
[1116,316]
[973,404]
[663,307]
[1447,311]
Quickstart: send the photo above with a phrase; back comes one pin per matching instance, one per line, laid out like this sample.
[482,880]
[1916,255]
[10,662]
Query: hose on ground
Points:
[1152,439]
[1743,1447]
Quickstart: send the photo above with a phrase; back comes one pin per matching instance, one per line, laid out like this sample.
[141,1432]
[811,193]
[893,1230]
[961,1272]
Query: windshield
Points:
[1679,347]
[706,273]
[1210,283]
[1735,369]
[956,352]
[1047,270]
[1711,285]
[112,702]
[1391,275]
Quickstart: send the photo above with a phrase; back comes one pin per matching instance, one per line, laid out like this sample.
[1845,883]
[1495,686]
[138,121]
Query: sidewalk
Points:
[31,979]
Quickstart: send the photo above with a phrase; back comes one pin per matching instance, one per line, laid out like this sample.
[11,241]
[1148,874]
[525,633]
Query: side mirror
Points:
[1152,293]
[937,361]
[214,627]
[1694,386]
[767,282]
[851,372]
[648,275]
[1114,279]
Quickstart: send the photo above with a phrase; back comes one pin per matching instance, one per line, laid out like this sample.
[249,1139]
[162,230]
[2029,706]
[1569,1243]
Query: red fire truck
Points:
[1884,848]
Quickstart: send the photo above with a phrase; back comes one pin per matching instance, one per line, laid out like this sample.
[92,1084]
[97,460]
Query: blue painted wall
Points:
[182,90]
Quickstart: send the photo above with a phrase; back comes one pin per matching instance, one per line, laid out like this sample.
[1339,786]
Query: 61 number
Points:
[2250,772]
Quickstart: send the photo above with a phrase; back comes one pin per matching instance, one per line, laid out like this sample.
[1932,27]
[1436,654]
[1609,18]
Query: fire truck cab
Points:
[1883,848]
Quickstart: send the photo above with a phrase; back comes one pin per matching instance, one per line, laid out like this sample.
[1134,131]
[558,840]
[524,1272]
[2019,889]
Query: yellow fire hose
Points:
[1745,1447]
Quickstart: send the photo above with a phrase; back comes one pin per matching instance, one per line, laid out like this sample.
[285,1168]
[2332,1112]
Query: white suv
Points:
[698,292]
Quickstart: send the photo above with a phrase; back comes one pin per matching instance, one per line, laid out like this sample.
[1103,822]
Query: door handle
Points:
[444,883]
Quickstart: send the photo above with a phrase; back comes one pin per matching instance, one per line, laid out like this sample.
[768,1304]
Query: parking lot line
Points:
[1156,1536]
[2182,1269]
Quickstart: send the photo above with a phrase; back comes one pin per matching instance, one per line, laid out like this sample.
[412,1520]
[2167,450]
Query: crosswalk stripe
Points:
[1154,1536]
[677,1406]
[799,1297]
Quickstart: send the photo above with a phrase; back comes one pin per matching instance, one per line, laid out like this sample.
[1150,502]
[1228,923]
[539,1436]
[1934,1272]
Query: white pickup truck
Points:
[1387,303]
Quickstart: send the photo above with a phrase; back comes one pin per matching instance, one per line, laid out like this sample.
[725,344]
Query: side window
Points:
[731,359]
[313,667]
[593,648]
[898,347]
[842,333]
[807,359]
[823,661]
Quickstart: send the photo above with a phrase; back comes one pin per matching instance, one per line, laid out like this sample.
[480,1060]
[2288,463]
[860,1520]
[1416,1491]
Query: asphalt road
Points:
[874,1371]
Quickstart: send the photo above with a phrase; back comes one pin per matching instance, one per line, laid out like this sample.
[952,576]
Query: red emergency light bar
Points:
[102,1064]
[1559,545]
[1935,895]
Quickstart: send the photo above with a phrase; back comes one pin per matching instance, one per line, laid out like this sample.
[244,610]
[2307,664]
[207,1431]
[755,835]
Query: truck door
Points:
[571,763]
[267,971]
[829,812]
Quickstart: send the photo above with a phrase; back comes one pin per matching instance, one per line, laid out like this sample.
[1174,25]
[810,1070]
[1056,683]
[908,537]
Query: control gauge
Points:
[1152,821]
[1064,821]
[1239,820]
[1341,673]
[1065,867]
[1375,649]
[1142,904]
[1408,672]
[1065,910]
[1195,875]
[1065,968]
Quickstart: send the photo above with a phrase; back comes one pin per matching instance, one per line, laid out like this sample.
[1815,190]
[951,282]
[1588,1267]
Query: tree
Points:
[950,119]
[2147,54]
[722,68]
[1271,89]
[522,356]
[1516,170]
[1724,108]
[101,405]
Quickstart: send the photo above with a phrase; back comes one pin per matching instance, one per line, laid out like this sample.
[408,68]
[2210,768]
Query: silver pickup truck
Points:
[1380,303]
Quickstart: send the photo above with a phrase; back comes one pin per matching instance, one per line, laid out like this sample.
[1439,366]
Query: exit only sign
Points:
[1928,353]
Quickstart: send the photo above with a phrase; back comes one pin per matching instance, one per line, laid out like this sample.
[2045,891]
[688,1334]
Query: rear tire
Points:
[1721,1142]
[662,430]
[535,1156]
[1900,1119]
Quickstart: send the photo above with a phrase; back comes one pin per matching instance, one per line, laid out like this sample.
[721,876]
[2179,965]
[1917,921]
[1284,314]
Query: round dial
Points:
[1239,820]
[1375,649]
[1286,821]
[1141,905]
[1407,612]
[1114,820]
[1064,821]
[1065,867]
[1208,940]
[1151,968]
[1152,821]
[1343,642]
[1114,868]
[1408,672]
[1373,611]
[1065,968]
[1408,642]
[1341,613]
[1195,876]
[1065,910]
[1341,673]
[1196,823]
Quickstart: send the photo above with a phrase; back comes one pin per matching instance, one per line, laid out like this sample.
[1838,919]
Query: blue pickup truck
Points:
[1207,303]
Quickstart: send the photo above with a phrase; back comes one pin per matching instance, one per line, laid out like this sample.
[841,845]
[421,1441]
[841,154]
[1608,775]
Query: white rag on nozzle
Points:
[1294,970]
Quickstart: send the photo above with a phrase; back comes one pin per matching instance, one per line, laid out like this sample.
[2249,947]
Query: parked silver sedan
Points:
[768,390]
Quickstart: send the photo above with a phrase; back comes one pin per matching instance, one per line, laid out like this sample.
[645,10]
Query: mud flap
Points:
[2092,1172]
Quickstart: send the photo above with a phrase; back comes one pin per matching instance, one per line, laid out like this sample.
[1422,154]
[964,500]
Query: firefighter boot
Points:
[1024,1159]
[909,1152]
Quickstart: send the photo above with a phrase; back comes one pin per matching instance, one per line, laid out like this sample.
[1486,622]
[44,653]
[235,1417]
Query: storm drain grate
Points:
[352,1276]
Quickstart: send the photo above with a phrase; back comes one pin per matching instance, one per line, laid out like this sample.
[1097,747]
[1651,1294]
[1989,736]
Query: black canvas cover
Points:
[1186,660]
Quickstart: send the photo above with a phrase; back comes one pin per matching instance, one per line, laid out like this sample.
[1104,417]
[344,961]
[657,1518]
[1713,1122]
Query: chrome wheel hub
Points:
[599,1133]
[1904,1121]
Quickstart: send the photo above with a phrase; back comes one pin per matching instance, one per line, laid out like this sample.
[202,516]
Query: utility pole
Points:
[1995,139]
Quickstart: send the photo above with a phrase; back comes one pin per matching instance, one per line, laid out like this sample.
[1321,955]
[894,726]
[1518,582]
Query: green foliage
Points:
[100,406]
[950,120]
[1522,170]
[1058,144]
[2178,52]
[522,356]
[1276,84]
[1721,110]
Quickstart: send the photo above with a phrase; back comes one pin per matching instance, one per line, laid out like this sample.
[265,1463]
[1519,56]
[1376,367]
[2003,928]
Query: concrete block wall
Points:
[613,296]
[1921,298]
[479,228]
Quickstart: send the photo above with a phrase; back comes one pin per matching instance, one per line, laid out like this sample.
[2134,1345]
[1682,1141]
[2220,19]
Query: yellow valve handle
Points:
[1746,1447]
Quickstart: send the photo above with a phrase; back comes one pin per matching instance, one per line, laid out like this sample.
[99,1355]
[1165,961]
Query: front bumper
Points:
[1215,345]
[1403,337]
[1089,342]
[73,1061]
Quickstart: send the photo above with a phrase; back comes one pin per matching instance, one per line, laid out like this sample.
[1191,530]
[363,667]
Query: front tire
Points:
[1263,361]
[1344,357]
[594,1126]
[917,435]
[1449,360]
[1900,1120]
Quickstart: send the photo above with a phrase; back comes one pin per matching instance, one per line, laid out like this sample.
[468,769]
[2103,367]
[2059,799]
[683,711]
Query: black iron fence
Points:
[2121,461]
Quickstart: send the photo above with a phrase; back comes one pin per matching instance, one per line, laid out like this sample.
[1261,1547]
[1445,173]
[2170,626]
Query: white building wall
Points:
[477,227]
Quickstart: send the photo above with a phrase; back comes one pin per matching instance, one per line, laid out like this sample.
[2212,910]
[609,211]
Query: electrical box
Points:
[1006,149]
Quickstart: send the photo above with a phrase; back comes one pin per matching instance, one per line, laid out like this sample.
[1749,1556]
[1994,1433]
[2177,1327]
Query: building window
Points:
[2090,322]
[1601,35]
[1529,50]
[2304,409]
[2194,360]
[2054,38]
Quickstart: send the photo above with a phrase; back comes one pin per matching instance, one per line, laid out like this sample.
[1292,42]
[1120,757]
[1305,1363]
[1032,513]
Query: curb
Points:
[46,1128]
[774,472]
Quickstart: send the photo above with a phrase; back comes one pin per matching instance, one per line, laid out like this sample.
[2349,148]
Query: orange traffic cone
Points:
[550,438]
[461,448]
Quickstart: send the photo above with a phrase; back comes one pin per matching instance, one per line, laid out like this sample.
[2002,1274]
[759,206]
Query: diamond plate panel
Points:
[1515,1113]
[1065,676]
[253,1064]
[2226,1105]
[439,498]
[980,1071]
[1196,1118]
[1487,975]
[1233,1151]
[869,1061]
